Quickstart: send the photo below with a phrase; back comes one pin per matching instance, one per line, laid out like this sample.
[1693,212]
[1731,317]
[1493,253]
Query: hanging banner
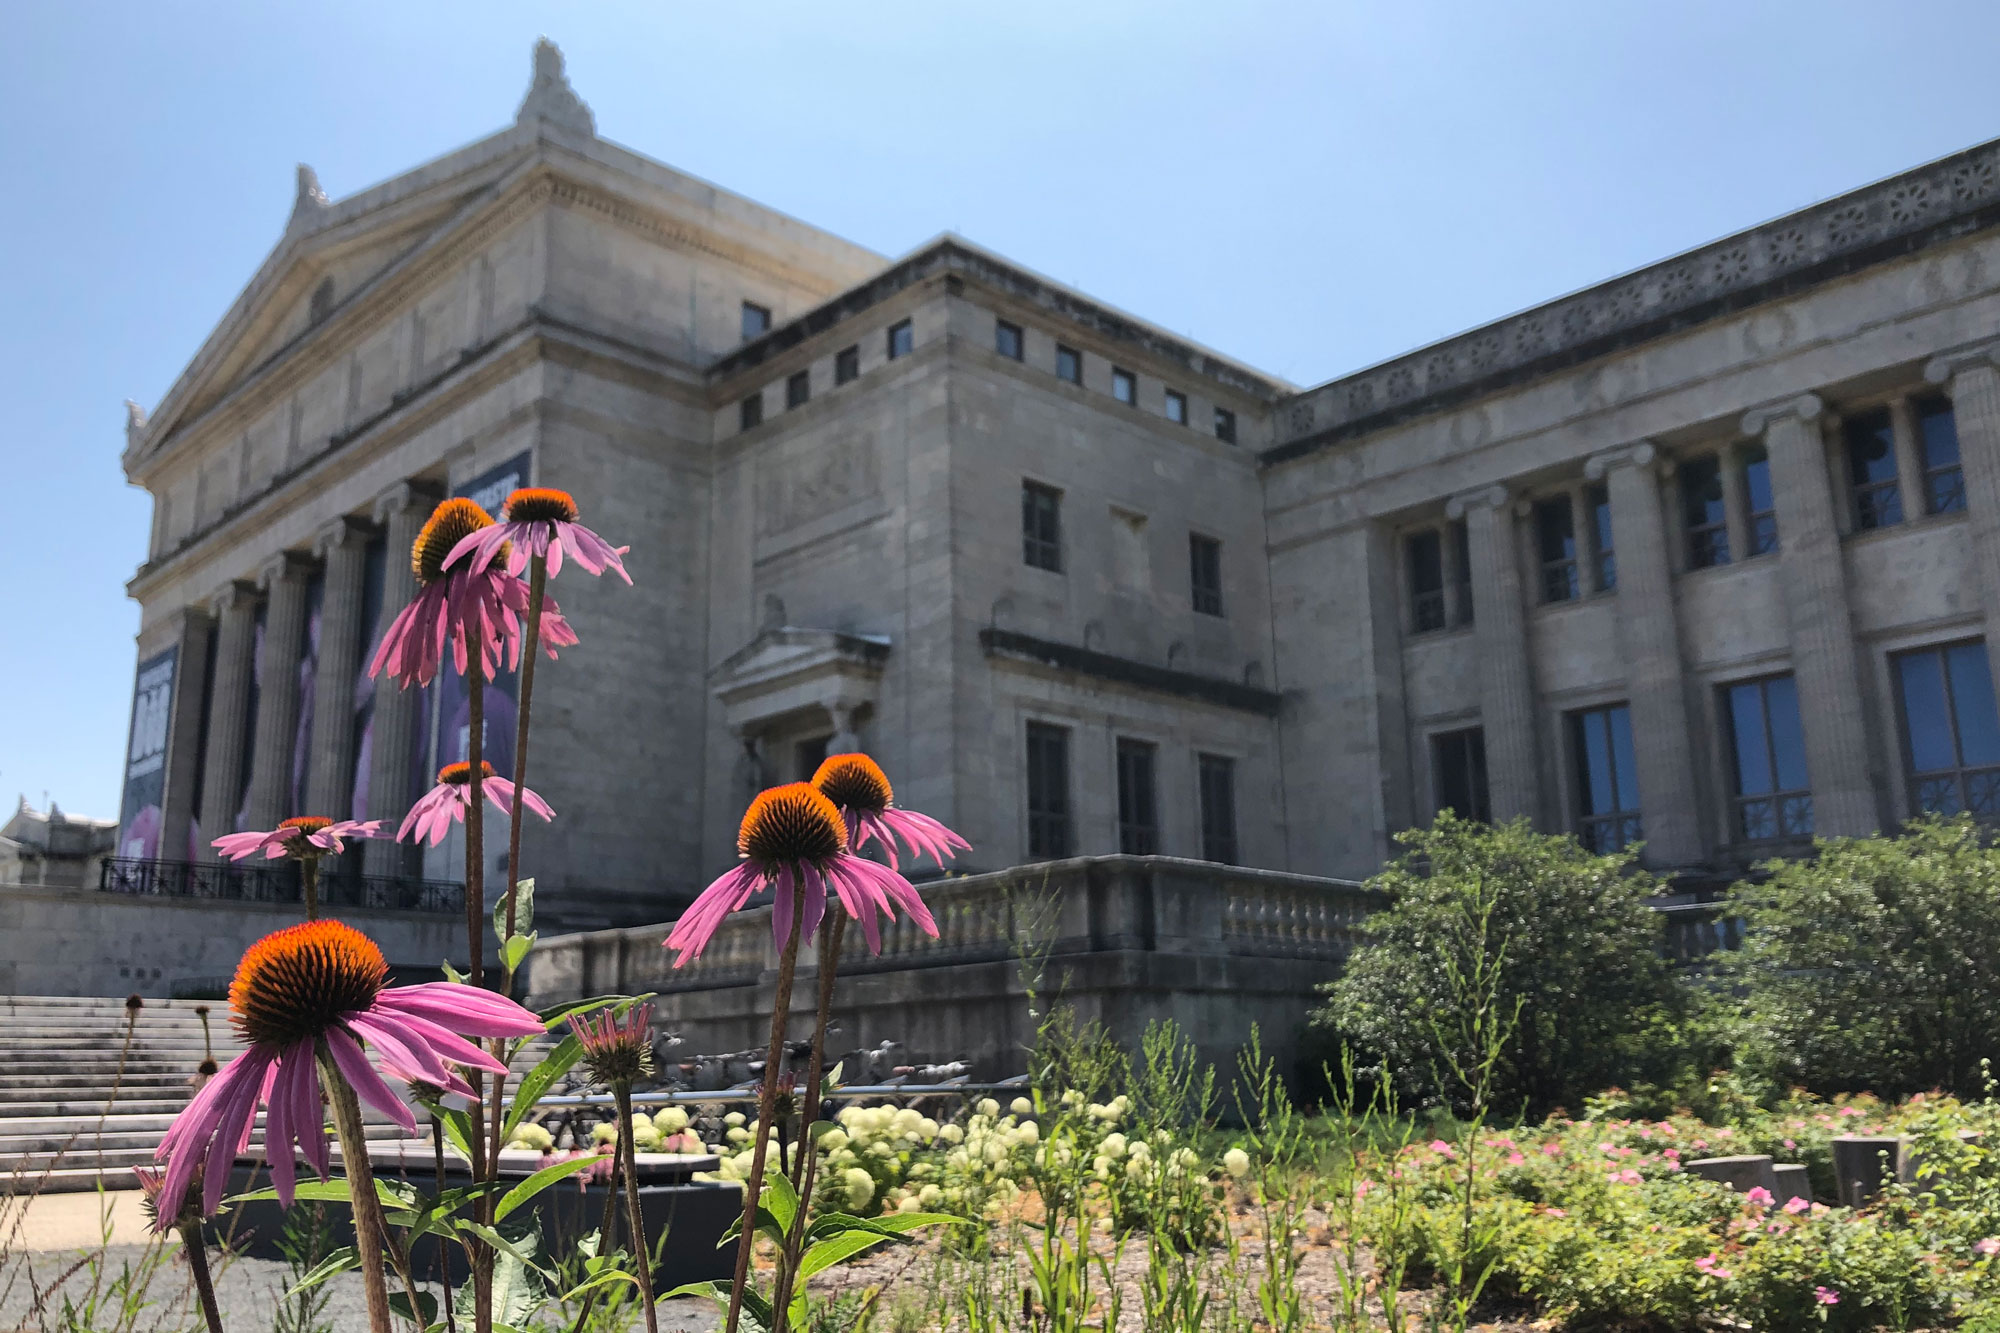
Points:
[139,815]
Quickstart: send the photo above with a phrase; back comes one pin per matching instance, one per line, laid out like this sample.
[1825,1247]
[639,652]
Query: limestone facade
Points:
[1083,587]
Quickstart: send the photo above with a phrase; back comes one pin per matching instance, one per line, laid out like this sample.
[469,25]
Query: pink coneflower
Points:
[860,790]
[445,804]
[1826,1296]
[616,1050]
[540,521]
[320,986]
[793,836]
[476,603]
[307,837]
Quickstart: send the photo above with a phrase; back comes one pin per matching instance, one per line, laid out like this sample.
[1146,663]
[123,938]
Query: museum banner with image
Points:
[139,814]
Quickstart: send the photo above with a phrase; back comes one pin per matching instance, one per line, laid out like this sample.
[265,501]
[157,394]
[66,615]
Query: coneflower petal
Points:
[449,1044]
[278,1131]
[232,1130]
[367,1084]
[462,1009]
[397,1049]
[308,1120]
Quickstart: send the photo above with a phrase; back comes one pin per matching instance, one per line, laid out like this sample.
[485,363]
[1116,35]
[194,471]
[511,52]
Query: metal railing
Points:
[277,882]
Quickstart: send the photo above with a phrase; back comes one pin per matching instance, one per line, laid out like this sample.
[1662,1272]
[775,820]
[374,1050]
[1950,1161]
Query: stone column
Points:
[1972,378]
[1649,640]
[184,733]
[283,579]
[235,611]
[1735,503]
[1814,580]
[402,510]
[343,545]
[1909,457]
[1506,685]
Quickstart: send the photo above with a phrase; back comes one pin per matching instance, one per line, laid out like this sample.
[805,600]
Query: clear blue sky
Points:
[1310,187]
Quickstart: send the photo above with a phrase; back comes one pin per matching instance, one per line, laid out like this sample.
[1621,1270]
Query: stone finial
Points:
[550,98]
[310,201]
[135,422]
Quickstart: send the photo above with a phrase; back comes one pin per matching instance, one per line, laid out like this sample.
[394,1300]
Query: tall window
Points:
[807,756]
[1871,469]
[1604,556]
[1205,573]
[1704,512]
[798,389]
[756,320]
[1124,386]
[1423,553]
[1458,773]
[900,339]
[1069,364]
[1225,425]
[1607,778]
[1048,791]
[1937,436]
[1138,813]
[1555,545]
[750,412]
[1041,526]
[1773,797]
[1950,730]
[1762,519]
[1177,407]
[1007,339]
[846,365]
[1216,776]
[1461,569]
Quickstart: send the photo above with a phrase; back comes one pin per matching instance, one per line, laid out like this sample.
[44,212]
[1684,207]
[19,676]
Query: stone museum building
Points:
[1707,555]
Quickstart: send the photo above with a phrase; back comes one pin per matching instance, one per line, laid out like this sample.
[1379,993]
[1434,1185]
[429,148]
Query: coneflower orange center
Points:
[541,504]
[854,782]
[292,985]
[449,524]
[789,824]
[306,823]
[460,774]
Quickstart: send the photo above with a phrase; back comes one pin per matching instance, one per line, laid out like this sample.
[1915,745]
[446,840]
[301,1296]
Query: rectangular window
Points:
[846,365]
[1138,815]
[798,389]
[1205,573]
[1607,779]
[1423,554]
[1069,364]
[1763,516]
[1007,339]
[1603,554]
[1704,512]
[750,412]
[1937,434]
[1773,797]
[1225,425]
[1951,732]
[1048,791]
[1871,469]
[900,339]
[1555,546]
[1458,773]
[756,320]
[807,756]
[1124,386]
[1216,775]
[1177,407]
[1461,569]
[1041,526]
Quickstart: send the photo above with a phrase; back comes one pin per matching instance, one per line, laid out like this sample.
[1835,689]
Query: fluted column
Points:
[1972,378]
[283,579]
[1506,685]
[1650,642]
[184,733]
[401,511]
[235,612]
[343,545]
[1814,580]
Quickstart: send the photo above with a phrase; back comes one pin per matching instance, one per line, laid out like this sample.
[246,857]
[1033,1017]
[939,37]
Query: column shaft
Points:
[1824,662]
[1506,685]
[235,609]
[1974,385]
[184,735]
[402,512]
[330,778]
[284,580]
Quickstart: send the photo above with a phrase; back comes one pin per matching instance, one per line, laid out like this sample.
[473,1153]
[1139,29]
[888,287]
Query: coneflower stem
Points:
[805,1168]
[767,1101]
[635,1220]
[444,1254]
[485,1166]
[196,1250]
[531,636]
[371,1233]
[309,880]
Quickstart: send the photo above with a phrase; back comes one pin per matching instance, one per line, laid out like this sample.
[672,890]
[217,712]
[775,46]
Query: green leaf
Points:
[451,973]
[459,1130]
[842,1247]
[607,1278]
[755,1305]
[538,1081]
[502,1244]
[780,1200]
[902,1224]
[541,1180]
[399,1304]
[395,1197]
[618,1004]
[831,1079]
[524,910]
[339,1261]
[516,948]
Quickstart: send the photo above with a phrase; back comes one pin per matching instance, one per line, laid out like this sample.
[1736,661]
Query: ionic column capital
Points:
[1806,407]
[337,534]
[1484,497]
[284,565]
[1941,368]
[1639,454]
[404,495]
[236,592]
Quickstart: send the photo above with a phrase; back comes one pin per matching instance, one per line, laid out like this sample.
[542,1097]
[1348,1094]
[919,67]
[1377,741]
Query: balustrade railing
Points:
[277,882]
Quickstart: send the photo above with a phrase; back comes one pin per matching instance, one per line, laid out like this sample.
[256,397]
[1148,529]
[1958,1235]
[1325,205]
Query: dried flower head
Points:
[617,1050]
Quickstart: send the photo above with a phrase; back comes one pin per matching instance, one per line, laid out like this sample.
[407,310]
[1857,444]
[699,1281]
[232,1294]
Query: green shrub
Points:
[1876,965]
[1580,956]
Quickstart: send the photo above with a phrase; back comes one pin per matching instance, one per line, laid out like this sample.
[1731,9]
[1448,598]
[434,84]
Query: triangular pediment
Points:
[787,668]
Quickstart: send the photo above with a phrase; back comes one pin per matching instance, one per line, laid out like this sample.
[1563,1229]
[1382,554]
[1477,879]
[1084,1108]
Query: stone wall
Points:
[1126,940]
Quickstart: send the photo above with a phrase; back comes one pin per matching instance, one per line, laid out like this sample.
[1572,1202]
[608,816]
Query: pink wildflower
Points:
[1515,1159]
[1626,1177]
[306,836]
[1361,1189]
[445,804]
[539,521]
[1671,1154]
[1989,1246]
[1758,1197]
[860,790]
[1552,1149]
[1796,1205]
[1558,1212]
[1826,1296]
[1851,1111]
[1443,1149]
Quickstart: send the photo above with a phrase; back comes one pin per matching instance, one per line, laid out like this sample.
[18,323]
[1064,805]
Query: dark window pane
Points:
[1704,512]
[846,365]
[1600,523]
[1459,765]
[1138,820]
[1626,768]
[750,411]
[1048,790]
[1973,705]
[1069,365]
[1944,480]
[1424,552]
[1041,526]
[797,390]
[1205,573]
[900,340]
[1753,758]
[1607,789]
[756,321]
[1461,570]
[1599,785]
[1124,387]
[1871,469]
[1757,496]
[1555,538]
[1788,740]
[1177,406]
[1225,425]
[807,756]
[1217,777]
[1926,716]
[1007,339]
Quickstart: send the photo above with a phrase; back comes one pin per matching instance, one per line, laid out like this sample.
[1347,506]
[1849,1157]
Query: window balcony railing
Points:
[1877,505]
[277,882]
[1774,816]
[1604,834]
[1974,791]
[1427,611]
